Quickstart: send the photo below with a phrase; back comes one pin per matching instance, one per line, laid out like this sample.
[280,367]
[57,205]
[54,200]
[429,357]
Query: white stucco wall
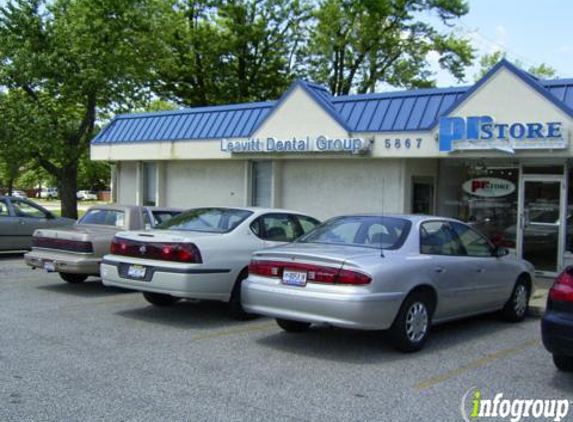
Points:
[326,188]
[205,183]
[127,183]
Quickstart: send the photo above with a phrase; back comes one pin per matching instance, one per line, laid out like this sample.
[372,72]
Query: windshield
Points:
[215,220]
[104,218]
[363,231]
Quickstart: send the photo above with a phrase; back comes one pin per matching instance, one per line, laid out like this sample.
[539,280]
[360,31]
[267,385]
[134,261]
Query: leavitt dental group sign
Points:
[306,144]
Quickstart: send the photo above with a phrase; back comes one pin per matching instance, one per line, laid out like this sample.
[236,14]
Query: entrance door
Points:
[541,221]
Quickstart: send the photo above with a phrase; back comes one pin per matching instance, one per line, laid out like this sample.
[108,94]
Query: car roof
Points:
[415,218]
[259,210]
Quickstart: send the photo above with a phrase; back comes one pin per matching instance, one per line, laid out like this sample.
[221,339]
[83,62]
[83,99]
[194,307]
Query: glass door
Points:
[541,222]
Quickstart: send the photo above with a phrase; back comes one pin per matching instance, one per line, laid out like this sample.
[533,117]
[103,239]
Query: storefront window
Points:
[262,172]
[484,196]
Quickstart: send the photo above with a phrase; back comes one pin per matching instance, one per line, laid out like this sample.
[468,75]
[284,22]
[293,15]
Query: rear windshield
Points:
[104,218]
[215,220]
[363,231]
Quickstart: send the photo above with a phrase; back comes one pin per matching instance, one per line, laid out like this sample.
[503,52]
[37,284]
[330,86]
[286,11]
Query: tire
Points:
[158,299]
[73,278]
[235,306]
[411,327]
[293,326]
[516,307]
[563,363]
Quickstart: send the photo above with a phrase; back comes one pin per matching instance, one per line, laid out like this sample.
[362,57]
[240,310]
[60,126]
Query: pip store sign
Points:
[488,187]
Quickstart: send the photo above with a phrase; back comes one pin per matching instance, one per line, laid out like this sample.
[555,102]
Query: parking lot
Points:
[90,353]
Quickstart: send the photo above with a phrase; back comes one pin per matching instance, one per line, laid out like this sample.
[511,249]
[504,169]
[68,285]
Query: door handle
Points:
[480,270]
[440,270]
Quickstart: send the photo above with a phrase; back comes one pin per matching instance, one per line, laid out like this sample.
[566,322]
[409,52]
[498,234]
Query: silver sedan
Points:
[402,273]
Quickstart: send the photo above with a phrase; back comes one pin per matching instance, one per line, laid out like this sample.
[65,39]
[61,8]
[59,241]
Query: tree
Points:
[488,61]
[228,51]
[356,45]
[69,60]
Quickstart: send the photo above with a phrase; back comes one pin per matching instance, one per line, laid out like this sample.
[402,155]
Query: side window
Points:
[306,223]
[438,238]
[278,228]
[473,242]
[4,210]
[23,209]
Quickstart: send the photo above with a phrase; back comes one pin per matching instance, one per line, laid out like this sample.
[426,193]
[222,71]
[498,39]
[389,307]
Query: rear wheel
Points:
[73,278]
[411,327]
[293,326]
[159,299]
[563,363]
[235,306]
[516,307]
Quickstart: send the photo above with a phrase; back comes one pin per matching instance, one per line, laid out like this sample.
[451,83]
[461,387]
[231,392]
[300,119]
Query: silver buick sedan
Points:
[402,273]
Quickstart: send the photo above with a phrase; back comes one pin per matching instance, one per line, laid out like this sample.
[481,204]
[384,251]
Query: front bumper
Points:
[557,333]
[63,262]
[348,307]
[192,283]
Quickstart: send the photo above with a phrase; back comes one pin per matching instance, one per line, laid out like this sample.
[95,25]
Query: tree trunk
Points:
[68,186]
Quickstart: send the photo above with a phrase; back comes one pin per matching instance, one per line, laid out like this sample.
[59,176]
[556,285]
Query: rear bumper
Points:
[194,283]
[348,308]
[64,262]
[557,333]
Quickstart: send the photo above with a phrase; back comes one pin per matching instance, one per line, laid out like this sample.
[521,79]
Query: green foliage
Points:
[233,51]
[488,61]
[66,60]
[356,45]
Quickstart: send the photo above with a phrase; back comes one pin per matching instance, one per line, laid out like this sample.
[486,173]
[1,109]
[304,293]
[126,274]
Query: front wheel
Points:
[293,326]
[158,299]
[73,278]
[411,328]
[516,307]
[563,363]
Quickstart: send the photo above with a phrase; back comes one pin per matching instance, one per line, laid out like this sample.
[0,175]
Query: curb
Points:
[536,311]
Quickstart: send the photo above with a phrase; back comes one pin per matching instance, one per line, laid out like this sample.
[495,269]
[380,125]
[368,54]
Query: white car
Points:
[86,195]
[48,193]
[203,253]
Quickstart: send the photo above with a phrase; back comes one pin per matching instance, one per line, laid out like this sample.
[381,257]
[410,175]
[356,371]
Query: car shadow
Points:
[92,287]
[9,255]
[186,314]
[561,380]
[374,347]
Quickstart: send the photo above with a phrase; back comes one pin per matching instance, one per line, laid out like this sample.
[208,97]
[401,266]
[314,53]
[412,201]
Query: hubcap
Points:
[416,322]
[520,300]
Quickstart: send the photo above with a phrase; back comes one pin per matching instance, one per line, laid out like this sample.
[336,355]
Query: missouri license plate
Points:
[294,278]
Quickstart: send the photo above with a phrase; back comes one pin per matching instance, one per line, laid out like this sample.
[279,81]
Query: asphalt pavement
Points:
[90,353]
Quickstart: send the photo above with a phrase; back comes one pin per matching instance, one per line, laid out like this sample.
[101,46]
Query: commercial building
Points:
[496,154]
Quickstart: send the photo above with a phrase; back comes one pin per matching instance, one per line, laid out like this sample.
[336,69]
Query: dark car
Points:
[557,323]
[19,218]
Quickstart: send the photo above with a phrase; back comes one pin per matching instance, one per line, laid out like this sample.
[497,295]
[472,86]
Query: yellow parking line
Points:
[223,333]
[476,364]
[131,298]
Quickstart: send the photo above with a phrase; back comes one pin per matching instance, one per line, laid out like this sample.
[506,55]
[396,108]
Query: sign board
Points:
[488,187]
[483,133]
[296,145]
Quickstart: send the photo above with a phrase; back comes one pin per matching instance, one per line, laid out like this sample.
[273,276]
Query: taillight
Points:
[562,289]
[176,252]
[62,244]
[315,273]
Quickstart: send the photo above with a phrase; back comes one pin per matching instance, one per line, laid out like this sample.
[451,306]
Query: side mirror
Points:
[500,251]
[50,216]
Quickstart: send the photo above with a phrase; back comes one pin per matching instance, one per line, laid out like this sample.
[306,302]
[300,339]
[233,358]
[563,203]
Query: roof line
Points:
[521,74]
[206,109]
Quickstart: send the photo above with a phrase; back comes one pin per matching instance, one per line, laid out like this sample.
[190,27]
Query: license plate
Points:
[294,278]
[49,266]
[136,271]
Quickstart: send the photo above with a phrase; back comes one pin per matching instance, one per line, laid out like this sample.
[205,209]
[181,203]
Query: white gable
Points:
[507,98]
[299,115]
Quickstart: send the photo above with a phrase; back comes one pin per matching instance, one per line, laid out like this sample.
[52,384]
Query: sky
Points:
[531,31]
